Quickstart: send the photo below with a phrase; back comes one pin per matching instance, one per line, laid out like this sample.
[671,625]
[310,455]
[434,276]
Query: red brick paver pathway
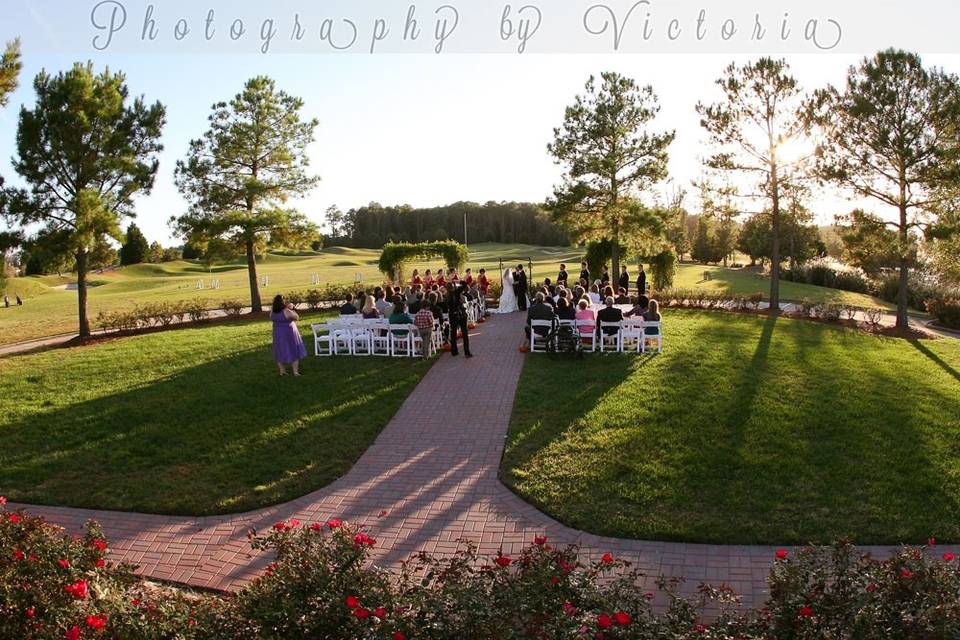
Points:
[425,484]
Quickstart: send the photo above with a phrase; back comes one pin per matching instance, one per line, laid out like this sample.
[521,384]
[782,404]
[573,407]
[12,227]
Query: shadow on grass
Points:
[224,436]
[940,362]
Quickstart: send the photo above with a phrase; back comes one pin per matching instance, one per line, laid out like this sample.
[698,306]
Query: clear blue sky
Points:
[409,128]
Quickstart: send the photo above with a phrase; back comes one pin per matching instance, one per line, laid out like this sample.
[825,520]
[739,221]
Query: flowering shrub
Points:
[320,585]
[946,311]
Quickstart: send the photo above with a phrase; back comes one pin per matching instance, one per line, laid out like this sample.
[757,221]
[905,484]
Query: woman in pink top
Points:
[586,312]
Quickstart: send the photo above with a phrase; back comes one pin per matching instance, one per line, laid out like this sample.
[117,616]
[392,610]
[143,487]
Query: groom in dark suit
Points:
[520,287]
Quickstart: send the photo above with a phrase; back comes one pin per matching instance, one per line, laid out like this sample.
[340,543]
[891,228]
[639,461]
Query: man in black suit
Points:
[605,278]
[520,287]
[624,279]
[458,317]
[540,310]
[348,309]
[585,275]
[609,313]
[642,282]
[563,276]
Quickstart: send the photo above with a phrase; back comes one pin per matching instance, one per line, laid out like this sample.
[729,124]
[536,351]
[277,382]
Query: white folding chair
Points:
[656,337]
[540,343]
[437,336]
[587,330]
[361,340]
[631,335]
[613,340]
[401,340]
[340,331]
[379,331]
[322,340]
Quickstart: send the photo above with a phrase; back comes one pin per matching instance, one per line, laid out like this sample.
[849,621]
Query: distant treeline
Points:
[372,226]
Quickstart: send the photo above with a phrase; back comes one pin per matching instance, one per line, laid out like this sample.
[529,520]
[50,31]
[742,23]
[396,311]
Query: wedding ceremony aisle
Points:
[427,482]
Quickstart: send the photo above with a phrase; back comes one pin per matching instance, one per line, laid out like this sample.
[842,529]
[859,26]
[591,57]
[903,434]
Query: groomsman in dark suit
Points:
[585,275]
[563,275]
[642,282]
[520,287]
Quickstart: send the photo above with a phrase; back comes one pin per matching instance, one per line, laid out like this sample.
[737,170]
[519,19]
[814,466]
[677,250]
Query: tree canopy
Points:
[135,248]
[242,172]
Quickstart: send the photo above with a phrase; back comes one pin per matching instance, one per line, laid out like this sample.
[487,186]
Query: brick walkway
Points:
[424,484]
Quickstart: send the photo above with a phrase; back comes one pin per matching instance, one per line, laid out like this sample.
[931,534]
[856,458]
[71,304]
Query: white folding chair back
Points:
[540,343]
[631,335]
[361,340]
[401,340]
[379,331]
[342,337]
[655,338]
[322,340]
[610,341]
[587,330]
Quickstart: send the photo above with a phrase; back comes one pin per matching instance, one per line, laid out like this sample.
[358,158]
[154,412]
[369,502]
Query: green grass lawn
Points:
[746,430]
[193,421]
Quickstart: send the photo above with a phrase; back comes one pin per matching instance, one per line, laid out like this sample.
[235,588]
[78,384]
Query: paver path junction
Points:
[427,483]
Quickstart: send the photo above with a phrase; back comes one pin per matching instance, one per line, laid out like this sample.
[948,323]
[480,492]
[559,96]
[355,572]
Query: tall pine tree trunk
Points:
[255,303]
[903,319]
[775,250]
[82,293]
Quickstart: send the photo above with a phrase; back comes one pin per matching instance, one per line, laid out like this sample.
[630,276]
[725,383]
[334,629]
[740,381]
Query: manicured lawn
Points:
[746,430]
[193,421]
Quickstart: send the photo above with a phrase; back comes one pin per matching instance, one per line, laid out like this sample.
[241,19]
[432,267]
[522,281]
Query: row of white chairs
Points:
[633,335]
[355,336]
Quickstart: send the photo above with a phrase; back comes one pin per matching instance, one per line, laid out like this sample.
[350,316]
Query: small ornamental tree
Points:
[135,247]
[240,174]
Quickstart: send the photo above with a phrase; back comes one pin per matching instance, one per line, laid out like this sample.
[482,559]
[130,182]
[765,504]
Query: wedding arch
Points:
[513,262]
[396,255]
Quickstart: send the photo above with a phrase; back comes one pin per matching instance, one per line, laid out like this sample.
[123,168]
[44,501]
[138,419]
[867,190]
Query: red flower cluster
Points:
[569,609]
[948,557]
[64,564]
[292,523]
[18,555]
[99,545]
[73,633]
[78,589]
[607,559]
[3,501]
[540,541]
[906,574]
[97,622]
[503,561]
[782,554]
[334,524]
[14,518]
[806,611]
[363,540]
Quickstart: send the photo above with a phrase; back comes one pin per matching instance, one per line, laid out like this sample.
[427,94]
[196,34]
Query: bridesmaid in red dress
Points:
[441,281]
[428,279]
[416,277]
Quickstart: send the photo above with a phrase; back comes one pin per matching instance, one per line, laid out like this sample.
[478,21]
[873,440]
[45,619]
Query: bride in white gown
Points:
[508,298]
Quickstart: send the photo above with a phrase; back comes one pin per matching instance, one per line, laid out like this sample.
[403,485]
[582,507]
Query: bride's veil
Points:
[508,276]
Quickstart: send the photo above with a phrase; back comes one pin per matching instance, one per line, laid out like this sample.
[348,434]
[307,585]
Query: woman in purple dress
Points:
[288,347]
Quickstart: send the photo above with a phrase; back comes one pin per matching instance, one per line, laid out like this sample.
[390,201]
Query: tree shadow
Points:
[937,360]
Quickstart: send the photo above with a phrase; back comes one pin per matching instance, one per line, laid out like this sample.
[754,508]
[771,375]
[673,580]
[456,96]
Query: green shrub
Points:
[233,308]
[947,312]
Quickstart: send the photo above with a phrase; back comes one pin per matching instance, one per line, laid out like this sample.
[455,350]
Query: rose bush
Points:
[321,585]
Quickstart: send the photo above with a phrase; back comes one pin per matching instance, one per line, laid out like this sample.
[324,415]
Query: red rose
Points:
[32,557]
[503,561]
[380,612]
[73,633]
[540,541]
[14,518]
[64,563]
[361,613]
[293,523]
[100,545]
[97,622]
[948,556]
[906,574]
[622,618]
[135,602]
[649,595]
[18,555]
[3,501]
[280,526]
[806,611]
[569,609]
[31,612]
[932,542]
[362,539]
[607,559]
[100,563]
[316,527]
[78,589]
[565,566]
[700,628]
[334,524]
[871,588]
[353,602]
[399,635]
[554,580]
[782,554]
[604,621]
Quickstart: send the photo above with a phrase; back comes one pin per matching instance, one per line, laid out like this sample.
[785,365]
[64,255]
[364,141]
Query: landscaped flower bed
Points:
[53,586]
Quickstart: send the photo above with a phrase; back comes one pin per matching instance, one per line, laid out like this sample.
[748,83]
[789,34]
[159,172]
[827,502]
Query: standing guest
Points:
[594,294]
[425,322]
[348,309]
[642,282]
[586,312]
[609,313]
[6,301]
[640,307]
[288,347]
[416,277]
[428,278]
[624,279]
[441,281]
[400,316]
[369,310]
[584,275]
[384,304]
[565,311]
[468,278]
[605,278]
[19,300]
[458,318]
[563,276]
[622,297]
[484,282]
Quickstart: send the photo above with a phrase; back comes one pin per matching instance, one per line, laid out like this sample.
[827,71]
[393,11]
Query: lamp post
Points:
[465,228]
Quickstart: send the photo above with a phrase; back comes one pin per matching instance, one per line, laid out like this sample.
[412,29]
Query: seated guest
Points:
[359,299]
[431,303]
[400,316]
[540,310]
[594,295]
[565,311]
[586,312]
[384,302]
[416,304]
[622,297]
[640,306]
[578,293]
[547,298]
[653,315]
[607,293]
[609,313]
[348,309]
[369,310]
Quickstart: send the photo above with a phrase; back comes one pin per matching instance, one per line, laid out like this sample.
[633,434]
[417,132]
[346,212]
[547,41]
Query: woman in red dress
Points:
[483,282]
[441,281]
[416,277]
[428,279]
